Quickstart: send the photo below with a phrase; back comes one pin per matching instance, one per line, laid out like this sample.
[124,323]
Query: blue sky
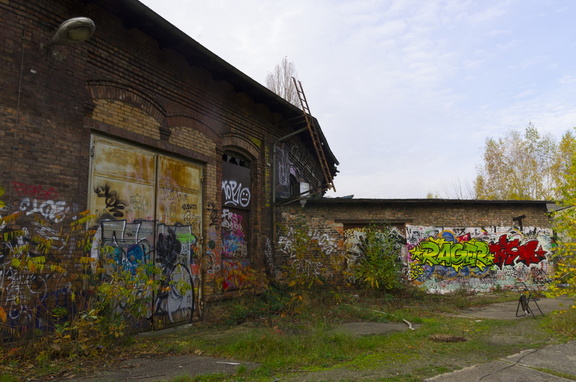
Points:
[406,91]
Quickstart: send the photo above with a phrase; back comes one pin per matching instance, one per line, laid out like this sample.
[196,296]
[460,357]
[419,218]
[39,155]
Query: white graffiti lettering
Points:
[49,209]
[235,194]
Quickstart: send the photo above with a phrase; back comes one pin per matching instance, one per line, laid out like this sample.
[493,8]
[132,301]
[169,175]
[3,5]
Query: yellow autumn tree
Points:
[564,282]
[522,166]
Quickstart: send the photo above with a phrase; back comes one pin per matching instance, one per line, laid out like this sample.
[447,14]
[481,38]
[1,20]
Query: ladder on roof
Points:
[312,129]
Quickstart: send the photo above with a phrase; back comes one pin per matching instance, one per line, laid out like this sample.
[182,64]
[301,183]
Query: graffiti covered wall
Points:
[173,248]
[34,250]
[444,259]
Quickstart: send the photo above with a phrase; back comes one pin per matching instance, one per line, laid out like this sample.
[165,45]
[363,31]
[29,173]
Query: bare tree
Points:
[459,189]
[280,81]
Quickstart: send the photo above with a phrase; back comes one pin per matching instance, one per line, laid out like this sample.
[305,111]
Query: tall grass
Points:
[563,322]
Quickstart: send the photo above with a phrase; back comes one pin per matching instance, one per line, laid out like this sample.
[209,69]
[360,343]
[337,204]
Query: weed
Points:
[313,341]
[62,302]
[310,266]
[376,253]
[7,378]
[563,321]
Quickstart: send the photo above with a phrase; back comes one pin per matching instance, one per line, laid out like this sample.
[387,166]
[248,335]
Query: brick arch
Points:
[242,145]
[124,93]
[186,121]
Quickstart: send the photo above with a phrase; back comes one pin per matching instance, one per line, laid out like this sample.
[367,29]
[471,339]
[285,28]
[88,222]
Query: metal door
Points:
[148,207]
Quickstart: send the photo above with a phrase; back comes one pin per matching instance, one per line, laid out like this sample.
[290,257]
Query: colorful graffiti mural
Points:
[174,253]
[174,250]
[438,251]
[444,259]
[233,237]
[234,251]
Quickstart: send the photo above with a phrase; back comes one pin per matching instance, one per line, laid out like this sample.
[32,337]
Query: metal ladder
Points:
[318,146]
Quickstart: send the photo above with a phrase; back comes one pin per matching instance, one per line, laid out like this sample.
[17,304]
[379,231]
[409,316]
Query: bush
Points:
[313,262]
[377,264]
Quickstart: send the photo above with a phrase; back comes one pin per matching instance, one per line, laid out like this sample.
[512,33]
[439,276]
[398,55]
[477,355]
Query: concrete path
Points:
[154,369]
[552,363]
[507,310]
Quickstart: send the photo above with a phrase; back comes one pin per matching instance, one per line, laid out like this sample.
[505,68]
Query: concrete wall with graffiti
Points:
[444,259]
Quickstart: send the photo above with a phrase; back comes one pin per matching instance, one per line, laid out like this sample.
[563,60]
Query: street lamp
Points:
[74,30]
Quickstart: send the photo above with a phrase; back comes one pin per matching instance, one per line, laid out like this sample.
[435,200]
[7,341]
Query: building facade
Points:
[174,155]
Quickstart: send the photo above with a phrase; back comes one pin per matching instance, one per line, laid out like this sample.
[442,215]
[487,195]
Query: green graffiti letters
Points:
[457,255]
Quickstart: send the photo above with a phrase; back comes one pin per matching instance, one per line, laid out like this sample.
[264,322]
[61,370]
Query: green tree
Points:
[522,166]
[563,162]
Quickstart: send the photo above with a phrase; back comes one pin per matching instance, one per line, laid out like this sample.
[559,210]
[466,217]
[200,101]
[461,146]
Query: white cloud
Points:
[406,91]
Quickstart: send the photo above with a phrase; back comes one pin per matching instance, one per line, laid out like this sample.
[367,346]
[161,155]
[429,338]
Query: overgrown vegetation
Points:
[288,347]
[62,302]
[286,326]
[312,264]
[564,258]
[283,342]
[376,264]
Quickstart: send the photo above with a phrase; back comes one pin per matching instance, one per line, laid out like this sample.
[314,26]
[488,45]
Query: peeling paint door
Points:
[149,208]
[123,181]
[179,207]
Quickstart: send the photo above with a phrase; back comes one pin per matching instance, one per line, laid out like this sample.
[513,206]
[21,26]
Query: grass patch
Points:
[567,376]
[289,346]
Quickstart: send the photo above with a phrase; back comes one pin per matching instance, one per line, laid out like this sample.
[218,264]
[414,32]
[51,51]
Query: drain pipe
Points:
[274,170]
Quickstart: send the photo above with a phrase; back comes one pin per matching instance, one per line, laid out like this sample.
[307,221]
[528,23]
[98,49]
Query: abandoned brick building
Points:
[178,154]
[182,160]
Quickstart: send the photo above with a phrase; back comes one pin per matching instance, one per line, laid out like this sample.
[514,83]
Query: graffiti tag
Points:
[38,191]
[510,252]
[235,194]
[113,203]
[457,255]
[214,218]
[49,209]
